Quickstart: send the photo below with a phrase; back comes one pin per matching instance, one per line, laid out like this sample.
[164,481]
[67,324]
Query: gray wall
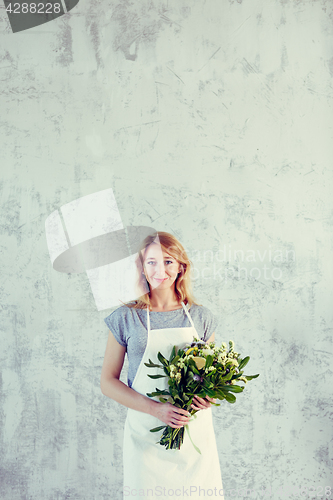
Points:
[210,120]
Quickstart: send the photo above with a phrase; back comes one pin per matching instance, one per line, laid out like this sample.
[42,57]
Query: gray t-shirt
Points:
[129,327]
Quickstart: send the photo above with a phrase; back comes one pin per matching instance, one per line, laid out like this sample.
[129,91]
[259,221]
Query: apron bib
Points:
[149,469]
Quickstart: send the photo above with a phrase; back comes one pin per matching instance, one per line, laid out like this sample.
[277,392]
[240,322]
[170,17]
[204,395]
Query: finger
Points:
[180,420]
[181,411]
[197,406]
[175,415]
[180,415]
[207,401]
[201,406]
[198,399]
[199,402]
[177,425]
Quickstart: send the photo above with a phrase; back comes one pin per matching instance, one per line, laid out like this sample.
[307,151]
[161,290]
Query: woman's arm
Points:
[112,387]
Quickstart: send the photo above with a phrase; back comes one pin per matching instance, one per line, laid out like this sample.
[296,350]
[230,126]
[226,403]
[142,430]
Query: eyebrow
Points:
[153,258]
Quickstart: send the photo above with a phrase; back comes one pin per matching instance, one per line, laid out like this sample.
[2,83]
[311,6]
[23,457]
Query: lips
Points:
[160,281]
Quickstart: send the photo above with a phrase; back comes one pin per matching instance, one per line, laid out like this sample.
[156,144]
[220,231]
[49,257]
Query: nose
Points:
[160,270]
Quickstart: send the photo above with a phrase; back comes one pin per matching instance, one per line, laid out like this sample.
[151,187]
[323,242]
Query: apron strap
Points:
[148,320]
[188,314]
[185,309]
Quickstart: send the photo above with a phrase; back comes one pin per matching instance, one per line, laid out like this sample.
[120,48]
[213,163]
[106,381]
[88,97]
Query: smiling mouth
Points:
[156,279]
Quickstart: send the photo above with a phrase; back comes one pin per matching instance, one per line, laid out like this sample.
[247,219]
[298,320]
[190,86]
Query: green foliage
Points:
[209,361]
[152,365]
[244,362]
[186,380]
[162,359]
[173,354]
[250,377]
[156,429]
[231,398]
[233,388]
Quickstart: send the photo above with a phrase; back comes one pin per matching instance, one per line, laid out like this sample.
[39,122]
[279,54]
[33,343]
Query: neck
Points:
[163,299]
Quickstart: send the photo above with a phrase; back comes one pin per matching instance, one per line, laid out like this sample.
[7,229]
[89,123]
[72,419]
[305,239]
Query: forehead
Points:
[156,251]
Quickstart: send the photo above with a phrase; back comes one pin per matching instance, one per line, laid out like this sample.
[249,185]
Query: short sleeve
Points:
[210,323]
[114,323]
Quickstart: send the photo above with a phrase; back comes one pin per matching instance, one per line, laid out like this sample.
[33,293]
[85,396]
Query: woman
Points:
[156,322]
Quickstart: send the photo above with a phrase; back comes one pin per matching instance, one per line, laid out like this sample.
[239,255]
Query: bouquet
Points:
[198,369]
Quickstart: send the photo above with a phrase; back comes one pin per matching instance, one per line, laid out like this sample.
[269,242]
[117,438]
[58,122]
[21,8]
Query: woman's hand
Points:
[171,415]
[202,403]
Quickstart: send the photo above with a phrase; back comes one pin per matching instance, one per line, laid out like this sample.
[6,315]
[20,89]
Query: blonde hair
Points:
[183,286]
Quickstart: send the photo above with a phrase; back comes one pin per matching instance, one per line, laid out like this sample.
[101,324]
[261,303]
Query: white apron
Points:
[150,470]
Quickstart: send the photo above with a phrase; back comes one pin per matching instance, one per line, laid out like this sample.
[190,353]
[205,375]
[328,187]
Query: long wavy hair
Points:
[183,286]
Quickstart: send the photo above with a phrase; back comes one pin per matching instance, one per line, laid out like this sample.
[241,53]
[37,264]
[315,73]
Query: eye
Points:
[151,262]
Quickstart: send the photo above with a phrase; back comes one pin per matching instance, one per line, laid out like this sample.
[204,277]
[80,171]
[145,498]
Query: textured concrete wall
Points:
[211,120]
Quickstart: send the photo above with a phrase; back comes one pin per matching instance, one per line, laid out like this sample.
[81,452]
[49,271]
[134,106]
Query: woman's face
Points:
[160,268]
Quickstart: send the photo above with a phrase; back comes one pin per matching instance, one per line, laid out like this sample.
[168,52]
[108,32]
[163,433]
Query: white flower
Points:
[221,357]
[211,368]
[234,362]
[207,352]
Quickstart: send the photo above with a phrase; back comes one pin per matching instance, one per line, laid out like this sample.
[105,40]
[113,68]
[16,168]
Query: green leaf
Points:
[210,393]
[152,365]
[157,376]
[156,429]
[189,376]
[209,361]
[173,354]
[230,398]
[162,359]
[250,377]
[220,395]
[233,388]
[166,371]
[227,377]
[244,362]
[175,359]
[158,393]
[193,367]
